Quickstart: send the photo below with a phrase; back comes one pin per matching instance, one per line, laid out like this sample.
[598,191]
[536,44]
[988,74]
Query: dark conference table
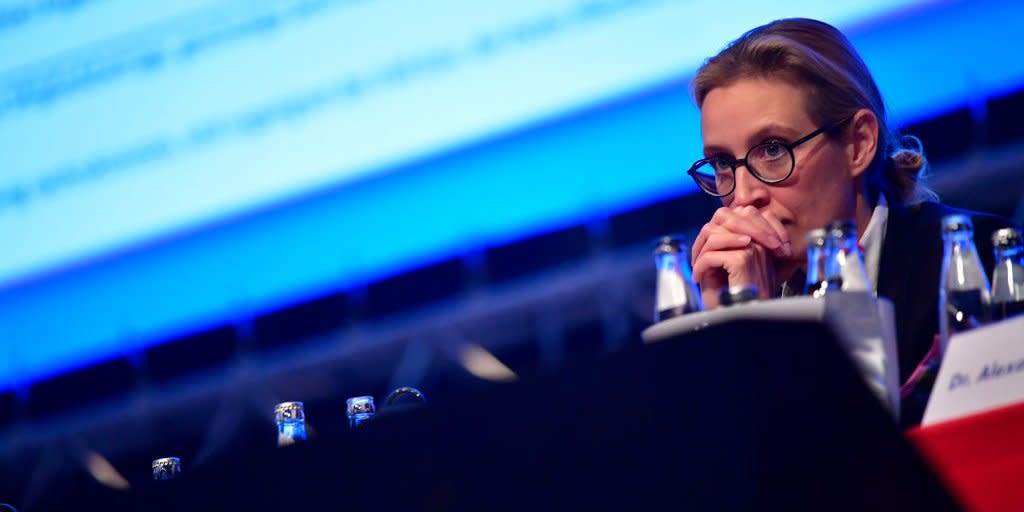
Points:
[747,415]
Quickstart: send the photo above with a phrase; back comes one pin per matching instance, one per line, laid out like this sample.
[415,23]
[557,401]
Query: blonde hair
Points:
[818,56]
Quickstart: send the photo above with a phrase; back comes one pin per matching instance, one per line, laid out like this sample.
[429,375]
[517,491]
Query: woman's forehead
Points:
[747,106]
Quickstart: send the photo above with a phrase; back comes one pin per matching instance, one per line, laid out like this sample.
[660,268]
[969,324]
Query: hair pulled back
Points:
[820,58]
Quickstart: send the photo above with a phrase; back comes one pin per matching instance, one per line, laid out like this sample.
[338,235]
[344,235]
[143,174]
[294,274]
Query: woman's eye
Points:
[773,150]
[721,164]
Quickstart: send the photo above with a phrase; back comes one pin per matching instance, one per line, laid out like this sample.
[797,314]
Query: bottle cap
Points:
[816,237]
[359,405]
[1007,237]
[669,244]
[166,468]
[842,229]
[289,411]
[956,222]
[737,294]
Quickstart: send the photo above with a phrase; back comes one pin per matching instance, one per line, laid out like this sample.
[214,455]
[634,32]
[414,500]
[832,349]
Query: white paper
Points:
[982,369]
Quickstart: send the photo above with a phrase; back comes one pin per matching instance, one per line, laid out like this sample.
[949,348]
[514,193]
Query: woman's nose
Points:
[749,190]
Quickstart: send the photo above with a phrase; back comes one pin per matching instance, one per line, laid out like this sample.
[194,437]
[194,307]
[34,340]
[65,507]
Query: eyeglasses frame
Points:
[692,171]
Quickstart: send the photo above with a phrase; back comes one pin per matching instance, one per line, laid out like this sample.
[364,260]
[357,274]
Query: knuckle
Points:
[710,230]
[733,225]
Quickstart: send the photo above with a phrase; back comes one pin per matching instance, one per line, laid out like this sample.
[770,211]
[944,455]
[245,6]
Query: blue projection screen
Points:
[165,166]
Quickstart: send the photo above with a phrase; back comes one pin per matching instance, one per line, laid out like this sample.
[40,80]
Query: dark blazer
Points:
[908,274]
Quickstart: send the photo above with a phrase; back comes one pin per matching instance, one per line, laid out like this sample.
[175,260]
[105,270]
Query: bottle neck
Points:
[815,264]
[673,262]
[962,236]
[960,243]
[667,261]
[961,247]
[962,269]
[847,244]
[290,431]
[1014,254]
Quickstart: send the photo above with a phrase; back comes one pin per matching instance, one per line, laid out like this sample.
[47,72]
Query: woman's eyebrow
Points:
[715,150]
[771,129]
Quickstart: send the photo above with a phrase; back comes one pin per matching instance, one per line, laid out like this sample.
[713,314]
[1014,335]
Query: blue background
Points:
[504,173]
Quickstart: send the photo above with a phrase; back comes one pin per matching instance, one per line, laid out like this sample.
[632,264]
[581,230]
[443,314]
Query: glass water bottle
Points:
[1008,273]
[291,423]
[405,396]
[676,292]
[822,269]
[964,290]
[166,468]
[359,410]
[847,259]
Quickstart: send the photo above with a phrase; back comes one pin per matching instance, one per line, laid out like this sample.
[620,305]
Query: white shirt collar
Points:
[871,239]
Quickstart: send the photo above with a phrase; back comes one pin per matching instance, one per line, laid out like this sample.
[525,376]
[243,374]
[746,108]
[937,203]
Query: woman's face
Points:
[749,111]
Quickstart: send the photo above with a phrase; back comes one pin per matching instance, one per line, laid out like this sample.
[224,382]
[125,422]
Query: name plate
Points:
[982,369]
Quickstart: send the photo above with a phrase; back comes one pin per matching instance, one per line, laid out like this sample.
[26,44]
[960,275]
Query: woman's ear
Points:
[861,141]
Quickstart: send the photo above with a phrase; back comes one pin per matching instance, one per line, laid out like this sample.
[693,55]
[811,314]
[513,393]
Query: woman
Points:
[796,136]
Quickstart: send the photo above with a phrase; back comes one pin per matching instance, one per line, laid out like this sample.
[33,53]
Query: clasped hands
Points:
[739,246]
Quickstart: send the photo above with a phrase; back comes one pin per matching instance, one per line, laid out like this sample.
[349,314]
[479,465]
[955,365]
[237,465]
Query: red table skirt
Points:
[980,458]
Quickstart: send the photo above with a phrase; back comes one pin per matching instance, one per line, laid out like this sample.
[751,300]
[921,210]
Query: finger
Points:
[698,243]
[746,220]
[749,221]
[719,269]
[709,298]
[779,228]
[760,221]
[709,228]
[708,262]
[725,241]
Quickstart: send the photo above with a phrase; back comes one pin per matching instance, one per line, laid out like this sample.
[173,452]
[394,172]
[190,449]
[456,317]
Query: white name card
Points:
[982,369]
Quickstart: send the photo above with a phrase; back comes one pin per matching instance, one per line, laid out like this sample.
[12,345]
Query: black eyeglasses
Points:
[770,162]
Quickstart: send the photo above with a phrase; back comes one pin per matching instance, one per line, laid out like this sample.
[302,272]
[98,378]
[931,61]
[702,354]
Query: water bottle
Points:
[405,396]
[676,293]
[846,258]
[822,269]
[964,291]
[166,468]
[1008,274]
[291,423]
[359,410]
[402,400]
